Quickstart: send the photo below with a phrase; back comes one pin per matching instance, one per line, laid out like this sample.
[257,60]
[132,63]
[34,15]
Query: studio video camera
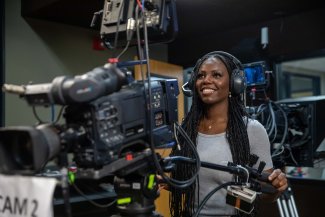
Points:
[105,112]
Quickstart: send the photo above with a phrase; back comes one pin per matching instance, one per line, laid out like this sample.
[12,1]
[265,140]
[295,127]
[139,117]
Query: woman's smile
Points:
[207,91]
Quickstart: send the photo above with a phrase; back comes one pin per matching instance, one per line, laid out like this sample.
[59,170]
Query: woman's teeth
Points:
[207,90]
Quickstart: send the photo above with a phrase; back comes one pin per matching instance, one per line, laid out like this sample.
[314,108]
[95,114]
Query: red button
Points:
[129,157]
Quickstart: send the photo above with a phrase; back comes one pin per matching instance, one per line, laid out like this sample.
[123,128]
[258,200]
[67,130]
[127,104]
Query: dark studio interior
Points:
[44,39]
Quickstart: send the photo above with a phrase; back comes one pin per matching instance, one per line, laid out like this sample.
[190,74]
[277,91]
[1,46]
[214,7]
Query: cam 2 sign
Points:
[25,196]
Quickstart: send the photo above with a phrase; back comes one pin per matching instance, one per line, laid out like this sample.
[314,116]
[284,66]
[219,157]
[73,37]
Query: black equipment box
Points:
[306,127]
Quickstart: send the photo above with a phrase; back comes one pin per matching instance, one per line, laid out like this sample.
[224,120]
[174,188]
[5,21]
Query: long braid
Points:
[182,200]
[236,132]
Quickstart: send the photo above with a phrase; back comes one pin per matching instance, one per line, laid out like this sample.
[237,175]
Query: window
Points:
[298,85]
[300,78]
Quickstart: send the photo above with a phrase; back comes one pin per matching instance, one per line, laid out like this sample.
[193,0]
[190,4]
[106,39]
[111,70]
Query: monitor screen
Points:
[255,74]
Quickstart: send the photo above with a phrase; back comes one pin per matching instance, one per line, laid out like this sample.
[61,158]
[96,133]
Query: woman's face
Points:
[212,82]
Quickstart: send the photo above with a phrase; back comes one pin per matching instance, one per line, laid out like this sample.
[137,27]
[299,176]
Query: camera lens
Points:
[22,151]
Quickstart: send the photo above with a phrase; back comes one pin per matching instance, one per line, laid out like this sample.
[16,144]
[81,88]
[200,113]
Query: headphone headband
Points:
[236,61]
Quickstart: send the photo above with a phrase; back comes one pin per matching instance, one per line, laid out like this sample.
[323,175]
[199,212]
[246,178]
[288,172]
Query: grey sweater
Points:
[215,149]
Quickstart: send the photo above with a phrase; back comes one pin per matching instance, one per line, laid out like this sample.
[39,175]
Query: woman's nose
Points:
[207,78]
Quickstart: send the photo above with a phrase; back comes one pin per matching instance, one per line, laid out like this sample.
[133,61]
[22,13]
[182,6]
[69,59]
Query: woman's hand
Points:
[278,180]
[161,183]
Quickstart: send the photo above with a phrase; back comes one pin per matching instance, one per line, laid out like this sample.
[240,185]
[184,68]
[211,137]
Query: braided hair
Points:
[182,200]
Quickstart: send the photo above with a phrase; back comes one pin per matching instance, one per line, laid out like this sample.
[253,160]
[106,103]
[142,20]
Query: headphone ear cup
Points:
[188,87]
[238,82]
[191,82]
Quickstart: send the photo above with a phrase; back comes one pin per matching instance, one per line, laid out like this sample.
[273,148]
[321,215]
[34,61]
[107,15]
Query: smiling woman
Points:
[222,131]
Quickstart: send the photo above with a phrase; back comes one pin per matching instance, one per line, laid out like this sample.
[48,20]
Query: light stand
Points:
[287,205]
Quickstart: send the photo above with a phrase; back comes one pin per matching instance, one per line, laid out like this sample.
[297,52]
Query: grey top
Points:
[215,149]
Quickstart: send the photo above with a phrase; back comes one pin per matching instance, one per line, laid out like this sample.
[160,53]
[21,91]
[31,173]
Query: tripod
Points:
[286,204]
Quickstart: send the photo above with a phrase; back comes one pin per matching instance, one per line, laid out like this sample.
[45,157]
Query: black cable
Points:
[285,131]
[59,115]
[92,201]
[36,115]
[292,157]
[271,119]
[267,111]
[206,198]
[186,183]
[273,122]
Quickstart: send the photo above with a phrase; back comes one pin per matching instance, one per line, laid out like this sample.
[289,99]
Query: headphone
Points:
[237,78]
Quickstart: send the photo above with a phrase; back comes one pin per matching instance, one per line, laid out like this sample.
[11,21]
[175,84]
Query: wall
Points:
[2,20]
[38,51]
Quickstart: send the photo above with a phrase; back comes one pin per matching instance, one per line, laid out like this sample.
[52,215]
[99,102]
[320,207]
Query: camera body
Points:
[111,122]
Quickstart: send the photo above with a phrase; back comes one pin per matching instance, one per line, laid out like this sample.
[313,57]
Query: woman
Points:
[222,131]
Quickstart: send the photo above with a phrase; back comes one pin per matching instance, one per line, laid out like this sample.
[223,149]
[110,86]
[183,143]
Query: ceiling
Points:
[210,16]
[196,18]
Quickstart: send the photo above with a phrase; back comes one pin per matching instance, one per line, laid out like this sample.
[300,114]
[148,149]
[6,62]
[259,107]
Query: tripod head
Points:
[134,181]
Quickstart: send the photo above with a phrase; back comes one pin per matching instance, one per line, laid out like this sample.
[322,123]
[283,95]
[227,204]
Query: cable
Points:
[186,183]
[206,198]
[285,130]
[124,50]
[292,158]
[92,201]
[129,34]
[267,116]
[52,113]
[139,4]
[36,115]
[59,115]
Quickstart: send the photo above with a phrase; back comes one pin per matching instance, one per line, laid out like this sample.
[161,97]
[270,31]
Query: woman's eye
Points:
[200,76]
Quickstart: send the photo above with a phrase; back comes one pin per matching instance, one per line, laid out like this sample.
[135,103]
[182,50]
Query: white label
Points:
[136,185]
[25,196]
